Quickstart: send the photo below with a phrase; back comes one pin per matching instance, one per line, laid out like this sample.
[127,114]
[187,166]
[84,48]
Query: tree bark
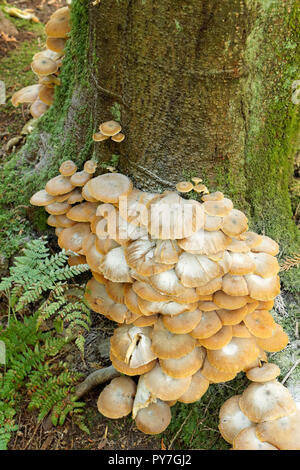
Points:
[201,88]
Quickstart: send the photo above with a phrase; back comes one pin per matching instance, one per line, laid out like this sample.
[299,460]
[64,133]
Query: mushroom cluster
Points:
[264,417]
[190,287]
[46,65]
[109,130]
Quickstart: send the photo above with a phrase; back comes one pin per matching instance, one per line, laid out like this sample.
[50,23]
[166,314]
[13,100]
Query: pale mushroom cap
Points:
[263,288]
[154,419]
[80,178]
[83,212]
[131,371]
[184,322]
[26,95]
[266,401]
[99,137]
[71,238]
[57,208]
[42,198]
[235,355]
[38,108]
[221,207]
[284,433]
[114,266]
[110,128]
[165,387]
[59,185]
[216,196]
[60,12]
[44,66]
[247,440]
[198,386]
[202,242]
[234,223]
[90,166]
[267,245]
[232,420]
[109,187]
[265,373]
[116,399]
[196,270]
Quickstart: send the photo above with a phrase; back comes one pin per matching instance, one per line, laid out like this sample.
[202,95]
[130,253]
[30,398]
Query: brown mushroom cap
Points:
[71,238]
[260,323]
[183,323]
[109,187]
[46,95]
[38,108]
[231,419]
[118,137]
[116,399]
[235,355]
[184,366]
[57,208]
[266,401]
[99,137]
[184,186]
[208,325]
[83,212]
[276,342]
[67,168]
[154,419]
[215,375]
[229,302]
[198,386]
[232,317]
[265,373]
[219,339]
[114,266]
[58,26]
[263,288]
[56,44]
[234,223]
[167,345]
[90,166]
[267,245]
[131,371]
[110,128]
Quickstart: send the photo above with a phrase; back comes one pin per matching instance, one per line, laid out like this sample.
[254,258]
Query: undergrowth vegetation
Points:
[44,315]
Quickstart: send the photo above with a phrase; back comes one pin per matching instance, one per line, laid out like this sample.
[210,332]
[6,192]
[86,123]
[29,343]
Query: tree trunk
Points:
[201,88]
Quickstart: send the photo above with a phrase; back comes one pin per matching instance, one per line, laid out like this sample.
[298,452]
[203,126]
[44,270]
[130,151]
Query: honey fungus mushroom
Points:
[116,399]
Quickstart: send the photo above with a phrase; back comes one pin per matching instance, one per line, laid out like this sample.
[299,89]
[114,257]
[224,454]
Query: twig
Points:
[180,429]
[32,436]
[290,371]
[98,377]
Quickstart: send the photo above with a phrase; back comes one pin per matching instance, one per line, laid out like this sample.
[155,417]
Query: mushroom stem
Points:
[98,377]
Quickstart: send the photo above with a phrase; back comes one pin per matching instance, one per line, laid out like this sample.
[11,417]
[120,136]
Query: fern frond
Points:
[290,262]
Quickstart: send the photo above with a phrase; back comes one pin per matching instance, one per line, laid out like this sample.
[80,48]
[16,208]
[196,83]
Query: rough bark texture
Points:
[201,88]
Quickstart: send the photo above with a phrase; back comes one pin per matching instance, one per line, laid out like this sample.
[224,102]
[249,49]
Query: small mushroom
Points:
[116,399]
[184,186]
[110,128]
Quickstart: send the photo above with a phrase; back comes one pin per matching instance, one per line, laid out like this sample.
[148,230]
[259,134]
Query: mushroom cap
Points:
[265,265]
[143,397]
[183,323]
[59,185]
[247,440]
[56,44]
[229,302]
[202,242]
[211,287]
[132,371]
[266,401]
[234,223]
[168,283]
[234,285]
[44,66]
[60,12]
[131,208]
[276,342]
[83,212]
[238,246]
[164,308]
[240,331]
[200,188]
[260,323]
[212,223]
[71,238]
[219,339]
[184,186]
[215,375]
[60,221]
[99,137]
[218,207]
[38,108]
[116,399]
[46,94]
[80,178]
[216,196]
[184,366]
[235,355]
[75,260]
[109,187]
[57,208]
[196,270]
[283,433]
[90,166]
[169,216]
[232,317]
[268,371]
[42,198]
[114,266]
[251,238]
[167,345]
[166,251]
[68,168]
[139,255]
[110,128]
[27,94]
[263,288]
[58,26]
[123,340]
[165,387]
[154,419]
[198,387]
[232,420]
[241,263]
[267,245]
[146,321]
[118,137]
[208,325]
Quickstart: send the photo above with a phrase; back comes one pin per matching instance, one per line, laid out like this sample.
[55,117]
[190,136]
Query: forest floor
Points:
[192,427]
